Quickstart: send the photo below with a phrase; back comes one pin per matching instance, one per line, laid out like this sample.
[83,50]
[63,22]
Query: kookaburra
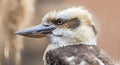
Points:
[72,35]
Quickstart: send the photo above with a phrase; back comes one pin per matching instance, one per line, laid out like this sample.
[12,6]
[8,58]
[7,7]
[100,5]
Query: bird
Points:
[72,37]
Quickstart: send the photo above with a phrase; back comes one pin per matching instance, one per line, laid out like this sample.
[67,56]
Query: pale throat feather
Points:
[81,35]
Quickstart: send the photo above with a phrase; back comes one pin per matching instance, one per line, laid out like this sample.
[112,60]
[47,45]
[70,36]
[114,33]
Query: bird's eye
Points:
[59,22]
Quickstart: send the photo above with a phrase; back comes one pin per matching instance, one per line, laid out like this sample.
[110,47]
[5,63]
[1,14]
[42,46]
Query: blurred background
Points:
[20,14]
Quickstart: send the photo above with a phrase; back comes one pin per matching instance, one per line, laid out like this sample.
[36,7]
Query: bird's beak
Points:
[36,31]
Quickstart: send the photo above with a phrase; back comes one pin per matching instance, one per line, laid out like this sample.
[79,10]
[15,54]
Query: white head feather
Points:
[84,34]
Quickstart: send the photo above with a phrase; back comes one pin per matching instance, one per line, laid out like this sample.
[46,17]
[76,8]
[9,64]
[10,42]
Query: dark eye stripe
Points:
[73,23]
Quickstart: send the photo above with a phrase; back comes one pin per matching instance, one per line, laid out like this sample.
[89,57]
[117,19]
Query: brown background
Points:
[20,14]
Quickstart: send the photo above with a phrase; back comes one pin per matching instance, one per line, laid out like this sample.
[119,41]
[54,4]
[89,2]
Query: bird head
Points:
[72,25]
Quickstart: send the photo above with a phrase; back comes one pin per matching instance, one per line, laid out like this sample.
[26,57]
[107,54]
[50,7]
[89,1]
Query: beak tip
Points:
[18,33]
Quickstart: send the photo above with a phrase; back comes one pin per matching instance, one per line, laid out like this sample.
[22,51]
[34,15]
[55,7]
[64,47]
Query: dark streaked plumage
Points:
[78,55]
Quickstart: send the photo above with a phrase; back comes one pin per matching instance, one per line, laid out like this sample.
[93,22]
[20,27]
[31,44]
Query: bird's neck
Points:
[82,35]
[86,37]
[60,42]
